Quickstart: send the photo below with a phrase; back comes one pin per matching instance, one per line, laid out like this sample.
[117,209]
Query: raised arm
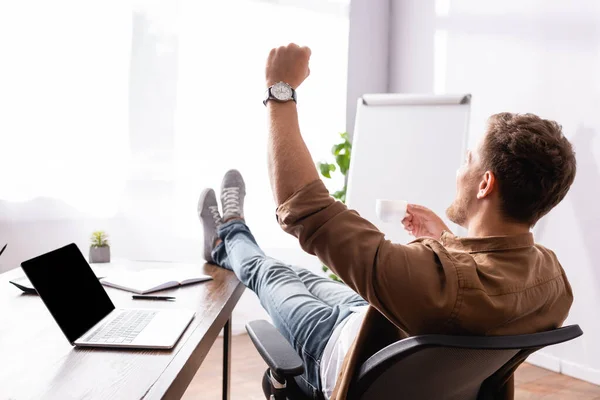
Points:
[290,164]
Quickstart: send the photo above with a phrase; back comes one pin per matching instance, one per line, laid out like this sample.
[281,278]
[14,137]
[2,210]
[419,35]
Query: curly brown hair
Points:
[533,162]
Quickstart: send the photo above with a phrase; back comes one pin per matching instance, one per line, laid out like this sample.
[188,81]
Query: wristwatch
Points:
[280,92]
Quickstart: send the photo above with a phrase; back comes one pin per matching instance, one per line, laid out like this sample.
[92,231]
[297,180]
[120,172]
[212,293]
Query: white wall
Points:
[368,50]
[411,56]
[535,56]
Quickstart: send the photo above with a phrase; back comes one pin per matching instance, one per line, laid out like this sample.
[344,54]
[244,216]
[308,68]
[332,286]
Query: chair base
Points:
[273,390]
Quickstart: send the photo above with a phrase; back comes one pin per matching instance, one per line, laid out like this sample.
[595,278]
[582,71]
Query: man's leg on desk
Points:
[289,294]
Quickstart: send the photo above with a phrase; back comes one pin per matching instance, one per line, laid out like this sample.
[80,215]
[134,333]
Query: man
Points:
[496,281]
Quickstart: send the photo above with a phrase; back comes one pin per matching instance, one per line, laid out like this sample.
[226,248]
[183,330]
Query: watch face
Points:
[281,91]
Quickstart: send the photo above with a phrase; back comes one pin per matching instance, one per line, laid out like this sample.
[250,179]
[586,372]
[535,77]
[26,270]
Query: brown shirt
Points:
[481,286]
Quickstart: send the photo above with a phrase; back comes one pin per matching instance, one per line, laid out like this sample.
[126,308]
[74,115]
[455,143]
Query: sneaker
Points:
[233,191]
[208,212]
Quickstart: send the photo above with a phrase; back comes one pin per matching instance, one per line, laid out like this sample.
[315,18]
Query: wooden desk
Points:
[37,361]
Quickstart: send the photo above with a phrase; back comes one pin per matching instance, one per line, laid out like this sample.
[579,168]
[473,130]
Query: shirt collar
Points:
[487,243]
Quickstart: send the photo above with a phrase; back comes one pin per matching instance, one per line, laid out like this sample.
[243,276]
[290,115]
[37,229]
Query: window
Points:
[121,110]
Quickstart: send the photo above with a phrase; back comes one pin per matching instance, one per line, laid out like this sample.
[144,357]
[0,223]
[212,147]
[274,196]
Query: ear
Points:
[487,185]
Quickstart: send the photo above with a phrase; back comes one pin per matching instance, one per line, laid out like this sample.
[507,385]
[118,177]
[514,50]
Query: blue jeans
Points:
[304,307]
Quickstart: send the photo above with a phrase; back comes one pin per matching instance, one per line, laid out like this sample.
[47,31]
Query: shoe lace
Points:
[231,200]
[214,210]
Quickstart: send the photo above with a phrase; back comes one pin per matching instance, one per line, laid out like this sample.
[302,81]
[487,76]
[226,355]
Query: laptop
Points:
[86,315]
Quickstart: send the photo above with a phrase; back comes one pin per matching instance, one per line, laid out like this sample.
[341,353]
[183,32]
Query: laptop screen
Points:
[70,290]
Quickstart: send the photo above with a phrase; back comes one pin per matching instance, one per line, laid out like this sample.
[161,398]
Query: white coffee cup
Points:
[391,210]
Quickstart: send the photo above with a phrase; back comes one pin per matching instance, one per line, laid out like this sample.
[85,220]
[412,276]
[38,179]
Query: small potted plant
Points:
[99,248]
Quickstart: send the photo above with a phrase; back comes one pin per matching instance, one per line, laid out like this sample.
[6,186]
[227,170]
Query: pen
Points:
[142,297]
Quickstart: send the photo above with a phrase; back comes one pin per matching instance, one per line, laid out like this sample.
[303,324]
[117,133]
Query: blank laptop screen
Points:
[70,290]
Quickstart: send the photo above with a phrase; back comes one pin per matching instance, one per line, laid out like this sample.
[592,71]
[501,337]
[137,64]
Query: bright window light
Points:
[116,108]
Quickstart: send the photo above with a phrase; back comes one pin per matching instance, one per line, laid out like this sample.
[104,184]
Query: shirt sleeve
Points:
[415,286]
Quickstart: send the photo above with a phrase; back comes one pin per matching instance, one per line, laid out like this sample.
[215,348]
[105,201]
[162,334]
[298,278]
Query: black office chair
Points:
[439,367]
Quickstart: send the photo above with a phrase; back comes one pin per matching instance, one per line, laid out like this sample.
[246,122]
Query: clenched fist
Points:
[288,64]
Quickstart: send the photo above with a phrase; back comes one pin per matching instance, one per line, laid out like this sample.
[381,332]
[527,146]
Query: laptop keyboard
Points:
[124,328]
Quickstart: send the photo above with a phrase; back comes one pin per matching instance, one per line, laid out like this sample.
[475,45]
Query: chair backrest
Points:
[446,367]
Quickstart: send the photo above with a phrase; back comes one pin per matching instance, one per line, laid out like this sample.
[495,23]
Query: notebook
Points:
[152,280]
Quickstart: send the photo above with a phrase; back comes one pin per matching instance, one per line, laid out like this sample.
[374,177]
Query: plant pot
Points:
[99,254]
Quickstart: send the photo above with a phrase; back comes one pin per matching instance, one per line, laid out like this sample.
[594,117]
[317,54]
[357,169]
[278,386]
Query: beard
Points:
[458,211]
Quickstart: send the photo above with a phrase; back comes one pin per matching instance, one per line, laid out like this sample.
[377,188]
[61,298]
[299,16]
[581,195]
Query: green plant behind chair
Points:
[341,153]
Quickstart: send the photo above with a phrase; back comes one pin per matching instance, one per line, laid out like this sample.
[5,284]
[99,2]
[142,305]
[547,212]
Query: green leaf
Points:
[334,278]
[338,148]
[325,269]
[340,194]
[326,169]
[341,152]
[343,160]
[99,239]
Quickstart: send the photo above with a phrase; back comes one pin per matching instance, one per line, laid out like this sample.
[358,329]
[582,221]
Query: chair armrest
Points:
[279,355]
